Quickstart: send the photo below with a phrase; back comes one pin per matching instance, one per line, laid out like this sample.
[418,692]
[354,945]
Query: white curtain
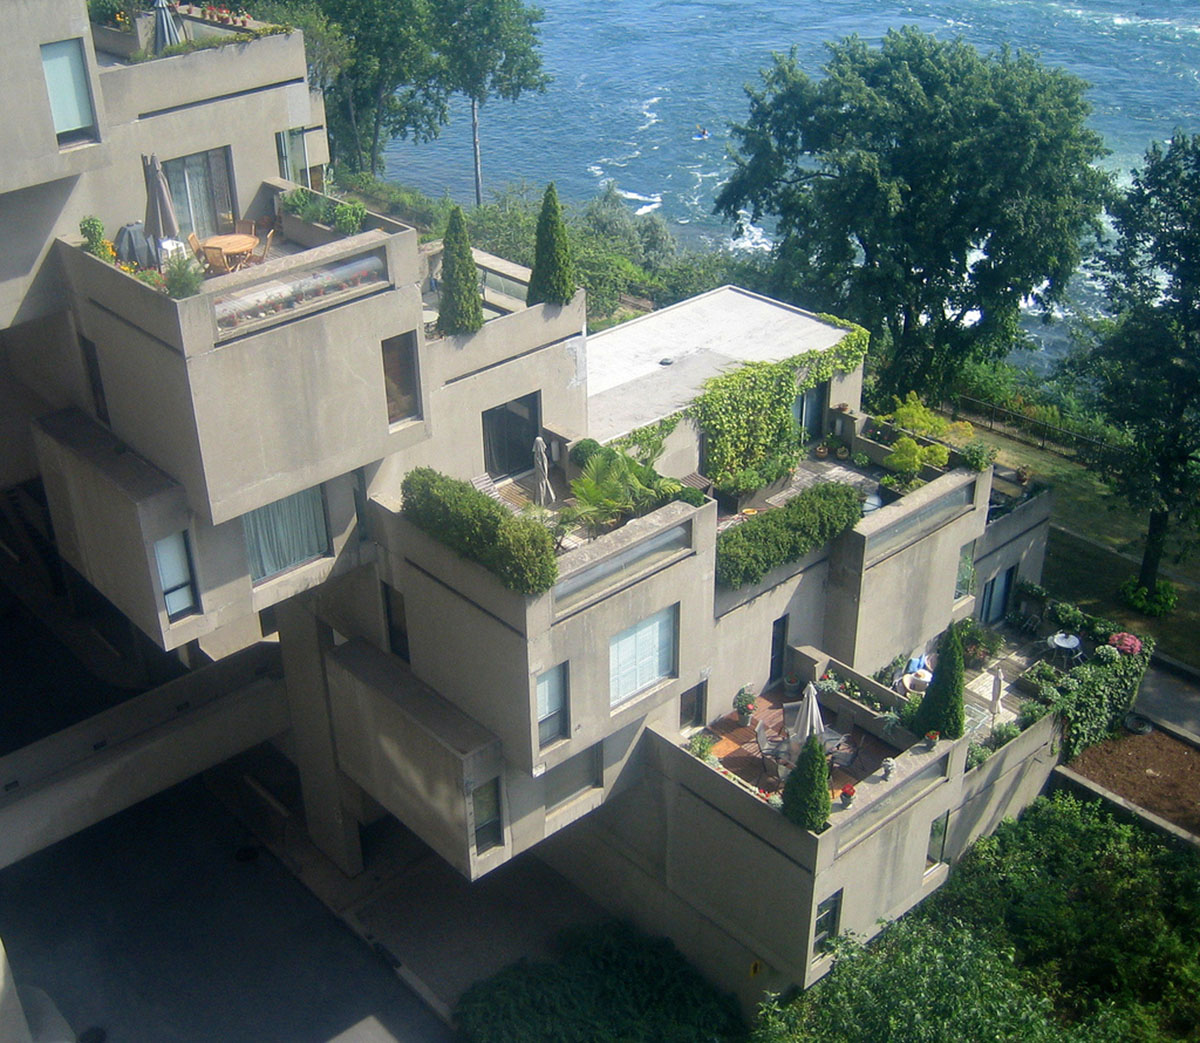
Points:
[285,533]
[641,655]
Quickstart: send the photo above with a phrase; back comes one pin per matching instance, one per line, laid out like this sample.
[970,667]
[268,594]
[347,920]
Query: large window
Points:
[286,533]
[485,803]
[400,377]
[552,703]
[642,655]
[175,574]
[70,97]
[293,156]
[200,191]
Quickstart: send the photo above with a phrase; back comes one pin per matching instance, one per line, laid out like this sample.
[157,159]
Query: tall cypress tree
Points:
[941,708]
[460,309]
[806,798]
[553,277]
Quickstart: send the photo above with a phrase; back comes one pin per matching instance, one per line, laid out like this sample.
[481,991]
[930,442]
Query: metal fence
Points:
[1022,428]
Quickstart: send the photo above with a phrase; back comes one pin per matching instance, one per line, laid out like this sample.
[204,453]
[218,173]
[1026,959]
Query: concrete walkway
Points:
[1171,696]
[169,923]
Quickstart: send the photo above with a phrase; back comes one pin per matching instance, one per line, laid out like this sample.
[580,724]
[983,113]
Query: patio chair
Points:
[214,256]
[260,256]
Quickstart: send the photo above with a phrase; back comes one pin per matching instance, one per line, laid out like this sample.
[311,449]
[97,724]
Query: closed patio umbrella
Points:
[160,222]
[541,465]
[166,29]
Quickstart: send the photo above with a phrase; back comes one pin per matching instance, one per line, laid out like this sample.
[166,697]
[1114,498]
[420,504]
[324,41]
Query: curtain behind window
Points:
[286,533]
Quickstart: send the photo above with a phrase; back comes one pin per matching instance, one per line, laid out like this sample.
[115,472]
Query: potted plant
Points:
[931,738]
[743,703]
[847,795]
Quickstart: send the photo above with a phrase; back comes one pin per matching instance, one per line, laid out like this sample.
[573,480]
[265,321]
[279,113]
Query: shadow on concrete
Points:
[167,922]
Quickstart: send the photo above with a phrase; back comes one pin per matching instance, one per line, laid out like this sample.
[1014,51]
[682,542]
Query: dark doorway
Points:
[778,647]
[508,434]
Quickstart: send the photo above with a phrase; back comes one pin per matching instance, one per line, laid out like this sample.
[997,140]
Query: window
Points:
[400,378]
[286,533]
[200,191]
[70,96]
[642,655]
[829,914]
[936,852]
[692,706]
[552,705]
[485,801]
[964,581]
[175,574]
[293,156]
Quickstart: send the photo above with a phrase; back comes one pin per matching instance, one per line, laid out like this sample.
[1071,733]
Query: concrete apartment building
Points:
[224,472]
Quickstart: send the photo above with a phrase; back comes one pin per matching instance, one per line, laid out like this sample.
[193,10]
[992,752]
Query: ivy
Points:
[645,444]
[746,415]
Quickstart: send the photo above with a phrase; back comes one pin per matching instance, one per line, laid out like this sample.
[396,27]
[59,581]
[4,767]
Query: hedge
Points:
[751,549]
[518,551]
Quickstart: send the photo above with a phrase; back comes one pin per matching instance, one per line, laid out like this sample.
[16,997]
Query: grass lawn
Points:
[1086,574]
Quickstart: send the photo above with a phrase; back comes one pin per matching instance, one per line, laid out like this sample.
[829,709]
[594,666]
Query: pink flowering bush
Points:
[1125,643]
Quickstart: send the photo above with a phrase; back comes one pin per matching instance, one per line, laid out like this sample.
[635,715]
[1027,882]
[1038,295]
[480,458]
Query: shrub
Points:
[942,705]
[978,455]
[183,277]
[748,551]
[348,217]
[1069,617]
[583,450]
[552,279]
[806,799]
[517,550]
[606,982]
[1159,603]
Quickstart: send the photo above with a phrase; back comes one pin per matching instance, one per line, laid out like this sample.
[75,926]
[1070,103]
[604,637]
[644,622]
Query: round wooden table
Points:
[235,244]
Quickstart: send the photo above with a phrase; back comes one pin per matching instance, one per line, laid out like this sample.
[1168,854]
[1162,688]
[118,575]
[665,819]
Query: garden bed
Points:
[1155,771]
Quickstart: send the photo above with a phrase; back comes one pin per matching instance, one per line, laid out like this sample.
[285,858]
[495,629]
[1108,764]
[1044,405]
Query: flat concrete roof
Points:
[704,336]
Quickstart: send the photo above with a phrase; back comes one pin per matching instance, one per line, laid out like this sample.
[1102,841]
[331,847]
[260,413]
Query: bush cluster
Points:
[750,550]
[1159,602]
[518,551]
[608,983]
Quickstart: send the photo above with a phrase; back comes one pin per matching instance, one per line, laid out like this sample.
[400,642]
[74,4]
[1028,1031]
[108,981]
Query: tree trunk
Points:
[475,144]
[1156,539]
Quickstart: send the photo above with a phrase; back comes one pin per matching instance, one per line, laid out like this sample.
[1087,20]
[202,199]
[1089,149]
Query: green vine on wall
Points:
[747,414]
[645,444]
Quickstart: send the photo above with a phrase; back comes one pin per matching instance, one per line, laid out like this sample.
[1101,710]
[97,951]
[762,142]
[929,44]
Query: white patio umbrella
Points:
[808,721]
[541,464]
[166,29]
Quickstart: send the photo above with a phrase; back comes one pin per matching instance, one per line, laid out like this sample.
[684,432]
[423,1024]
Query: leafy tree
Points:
[806,799]
[941,708]
[922,190]
[553,277]
[490,47]
[460,309]
[1142,367]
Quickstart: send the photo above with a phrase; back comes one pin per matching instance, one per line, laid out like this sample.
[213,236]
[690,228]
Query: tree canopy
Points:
[490,47]
[1141,367]
[922,190]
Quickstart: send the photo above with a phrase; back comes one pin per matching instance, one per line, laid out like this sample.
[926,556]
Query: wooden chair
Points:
[259,257]
[214,257]
[244,227]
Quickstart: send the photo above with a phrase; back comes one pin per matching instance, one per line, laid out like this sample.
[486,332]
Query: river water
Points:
[634,80]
